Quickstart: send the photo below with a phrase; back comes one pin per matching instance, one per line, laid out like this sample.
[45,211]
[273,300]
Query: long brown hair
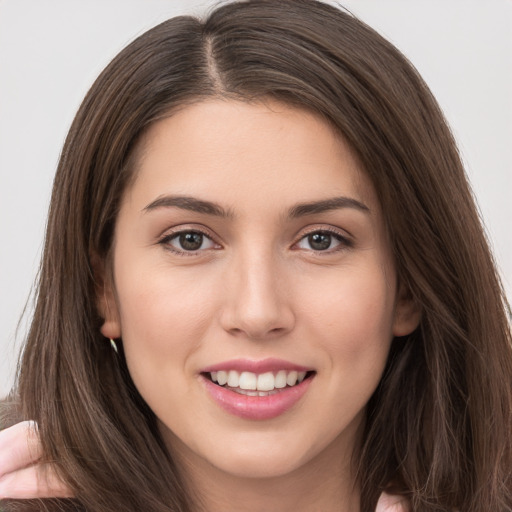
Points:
[439,426]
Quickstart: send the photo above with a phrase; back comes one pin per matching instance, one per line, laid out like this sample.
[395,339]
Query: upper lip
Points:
[256,366]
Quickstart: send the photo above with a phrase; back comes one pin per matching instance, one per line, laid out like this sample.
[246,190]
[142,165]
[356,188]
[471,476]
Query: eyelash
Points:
[166,241]
[344,242]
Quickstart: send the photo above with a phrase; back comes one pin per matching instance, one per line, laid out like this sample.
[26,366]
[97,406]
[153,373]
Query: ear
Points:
[407,313]
[105,298]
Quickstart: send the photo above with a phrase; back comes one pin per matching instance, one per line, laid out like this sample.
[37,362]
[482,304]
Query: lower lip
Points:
[257,407]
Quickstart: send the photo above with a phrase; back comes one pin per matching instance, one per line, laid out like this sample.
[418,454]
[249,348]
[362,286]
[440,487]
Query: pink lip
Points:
[256,407]
[262,366]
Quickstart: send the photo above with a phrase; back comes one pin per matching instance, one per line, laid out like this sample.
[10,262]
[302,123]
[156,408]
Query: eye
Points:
[188,241]
[323,240]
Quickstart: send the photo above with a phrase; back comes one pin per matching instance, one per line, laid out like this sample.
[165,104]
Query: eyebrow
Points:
[189,203]
[325,205]
[210,208]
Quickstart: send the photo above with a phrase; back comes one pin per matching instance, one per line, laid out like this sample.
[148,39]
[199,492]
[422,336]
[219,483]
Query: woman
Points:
[266,215]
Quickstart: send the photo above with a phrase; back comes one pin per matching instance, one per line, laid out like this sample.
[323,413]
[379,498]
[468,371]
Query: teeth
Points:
[266,381]
[247,392]
[233,379]
[247,381]
[257,385]
[291,378]
[280,379]
[222,377]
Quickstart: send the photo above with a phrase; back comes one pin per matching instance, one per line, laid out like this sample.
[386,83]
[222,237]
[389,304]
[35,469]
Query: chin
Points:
[258,465]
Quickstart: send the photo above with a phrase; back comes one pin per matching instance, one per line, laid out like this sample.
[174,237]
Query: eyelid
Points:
[345,238]
[342,235]
[175,231]
[324,227]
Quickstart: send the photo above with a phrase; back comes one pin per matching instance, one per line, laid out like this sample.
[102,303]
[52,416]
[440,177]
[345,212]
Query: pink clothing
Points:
[392,503]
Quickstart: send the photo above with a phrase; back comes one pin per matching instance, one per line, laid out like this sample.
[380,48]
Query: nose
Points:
[257,298]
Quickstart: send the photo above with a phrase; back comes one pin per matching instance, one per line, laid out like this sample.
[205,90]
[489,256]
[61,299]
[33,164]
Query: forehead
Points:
[225,148]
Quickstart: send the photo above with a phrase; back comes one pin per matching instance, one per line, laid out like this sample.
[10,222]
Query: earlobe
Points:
[105,300]
[407,313]
[111,328]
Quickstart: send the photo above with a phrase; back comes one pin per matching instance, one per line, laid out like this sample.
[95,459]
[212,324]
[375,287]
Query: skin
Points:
[255,289]
[21,474]
[258,289]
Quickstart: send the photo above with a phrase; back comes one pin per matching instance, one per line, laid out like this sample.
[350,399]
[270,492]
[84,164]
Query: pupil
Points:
[319,241]
[191,241]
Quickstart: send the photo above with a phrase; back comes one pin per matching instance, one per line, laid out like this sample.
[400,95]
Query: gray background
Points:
[51,51]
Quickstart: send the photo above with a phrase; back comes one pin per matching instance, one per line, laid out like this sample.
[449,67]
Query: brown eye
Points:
[188,241]
[319,241]
[191,241]
[323,241]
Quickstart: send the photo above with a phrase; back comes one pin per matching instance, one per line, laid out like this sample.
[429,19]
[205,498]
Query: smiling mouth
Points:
[253,384]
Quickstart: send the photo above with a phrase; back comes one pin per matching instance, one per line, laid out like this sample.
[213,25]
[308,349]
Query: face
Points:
[251,249]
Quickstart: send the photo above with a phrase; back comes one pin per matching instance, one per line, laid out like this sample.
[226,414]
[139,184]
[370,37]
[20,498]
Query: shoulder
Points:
[392,503]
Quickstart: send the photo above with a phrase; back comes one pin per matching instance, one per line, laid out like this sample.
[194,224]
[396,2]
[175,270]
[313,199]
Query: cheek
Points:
[353,316]
[160,301]
[163,320]
[351,323]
